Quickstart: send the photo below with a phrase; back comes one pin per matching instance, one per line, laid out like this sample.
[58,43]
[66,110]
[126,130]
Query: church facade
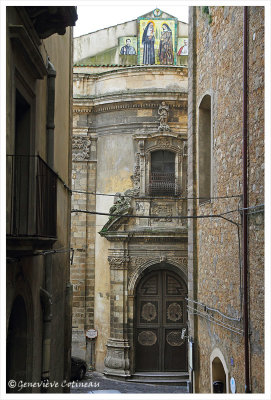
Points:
[130,176]
[168,199]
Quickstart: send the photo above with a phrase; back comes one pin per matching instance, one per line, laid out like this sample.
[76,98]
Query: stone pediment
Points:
[120,226]
[157,13]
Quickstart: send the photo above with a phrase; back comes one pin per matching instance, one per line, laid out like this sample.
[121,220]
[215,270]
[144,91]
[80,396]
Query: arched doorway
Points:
[17,343]
[159,319]
[219,372]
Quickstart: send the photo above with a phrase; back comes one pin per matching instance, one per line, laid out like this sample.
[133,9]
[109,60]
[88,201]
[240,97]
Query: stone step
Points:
[161,378]
[176,382]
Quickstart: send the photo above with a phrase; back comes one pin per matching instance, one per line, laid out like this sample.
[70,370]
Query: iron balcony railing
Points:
[163,184]
[31,197]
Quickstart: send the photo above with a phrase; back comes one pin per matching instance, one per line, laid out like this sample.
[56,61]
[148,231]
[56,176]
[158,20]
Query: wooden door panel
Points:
[147,350]
[160,317]
[175,351]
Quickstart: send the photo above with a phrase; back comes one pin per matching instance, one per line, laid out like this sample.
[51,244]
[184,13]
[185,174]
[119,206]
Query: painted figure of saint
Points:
[166,46]
[148,40]
[128,49]
[183,50]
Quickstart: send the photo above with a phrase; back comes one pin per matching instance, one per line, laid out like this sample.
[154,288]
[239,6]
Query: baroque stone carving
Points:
[147,338]
[174,338]
[163,210]
[163,112]
[117,359]
[148,312]
[121,203]
[179,260]
[174,312]
[80,148]
[118,262]
[136,176]
[185,148]
[136,262]
[164,142]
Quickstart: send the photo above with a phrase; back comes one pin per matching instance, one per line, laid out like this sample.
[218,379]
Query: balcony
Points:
[31,198]
[163,184]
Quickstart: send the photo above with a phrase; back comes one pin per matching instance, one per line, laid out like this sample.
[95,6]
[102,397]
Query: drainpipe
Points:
[50,123]
[46,292]
[245,204]
[46,301]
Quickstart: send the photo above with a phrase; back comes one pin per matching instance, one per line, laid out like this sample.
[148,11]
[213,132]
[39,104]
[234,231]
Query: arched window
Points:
[204,149]
[162,174]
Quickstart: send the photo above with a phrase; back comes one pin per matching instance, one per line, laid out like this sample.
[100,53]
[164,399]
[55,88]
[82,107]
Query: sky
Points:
[103,14]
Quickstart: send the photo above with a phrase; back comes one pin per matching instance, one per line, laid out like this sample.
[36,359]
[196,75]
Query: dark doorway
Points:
[17,344]
[160,318]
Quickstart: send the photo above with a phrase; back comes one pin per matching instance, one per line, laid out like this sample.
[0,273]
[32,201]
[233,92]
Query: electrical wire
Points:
[214,310]
[156,216]
[40,253]
[157,197]
[214,321]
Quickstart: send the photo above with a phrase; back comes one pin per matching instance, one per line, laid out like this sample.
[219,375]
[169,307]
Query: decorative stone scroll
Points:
[80,148]
[118,262]
[136,176]
[179,260]
[164,142]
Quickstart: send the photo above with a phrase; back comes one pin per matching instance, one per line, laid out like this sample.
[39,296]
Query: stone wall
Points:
[217,70]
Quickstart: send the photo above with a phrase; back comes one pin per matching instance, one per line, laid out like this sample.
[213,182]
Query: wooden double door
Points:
[160,317]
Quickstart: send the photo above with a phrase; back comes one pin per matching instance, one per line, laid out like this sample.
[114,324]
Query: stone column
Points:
[117,361]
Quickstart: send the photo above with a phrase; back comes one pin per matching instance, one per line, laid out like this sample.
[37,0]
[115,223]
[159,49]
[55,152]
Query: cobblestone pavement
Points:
[95,382]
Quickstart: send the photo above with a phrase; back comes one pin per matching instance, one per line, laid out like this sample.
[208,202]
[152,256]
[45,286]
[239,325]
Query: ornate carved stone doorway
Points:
[159,320]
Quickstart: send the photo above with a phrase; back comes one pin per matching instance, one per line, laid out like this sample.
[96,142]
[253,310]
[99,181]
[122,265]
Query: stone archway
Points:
[17,343]
[219,370]
[160,316]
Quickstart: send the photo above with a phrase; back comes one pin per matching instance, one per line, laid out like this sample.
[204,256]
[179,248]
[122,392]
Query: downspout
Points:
[46,301]
[46,292]
[245,204]
[50,122]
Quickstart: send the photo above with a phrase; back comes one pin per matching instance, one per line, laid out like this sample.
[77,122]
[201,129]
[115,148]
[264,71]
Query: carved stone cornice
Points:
[82,110]
[131,100]
[152,235]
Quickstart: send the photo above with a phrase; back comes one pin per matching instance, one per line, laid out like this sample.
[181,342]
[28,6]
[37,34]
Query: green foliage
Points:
[206,10]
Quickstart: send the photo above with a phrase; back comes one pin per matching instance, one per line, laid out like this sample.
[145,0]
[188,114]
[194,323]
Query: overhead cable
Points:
[156,216]
[214,310]
[157,197]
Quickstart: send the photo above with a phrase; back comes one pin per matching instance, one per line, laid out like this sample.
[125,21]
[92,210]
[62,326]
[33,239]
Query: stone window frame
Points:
[210,134]
[143,160]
